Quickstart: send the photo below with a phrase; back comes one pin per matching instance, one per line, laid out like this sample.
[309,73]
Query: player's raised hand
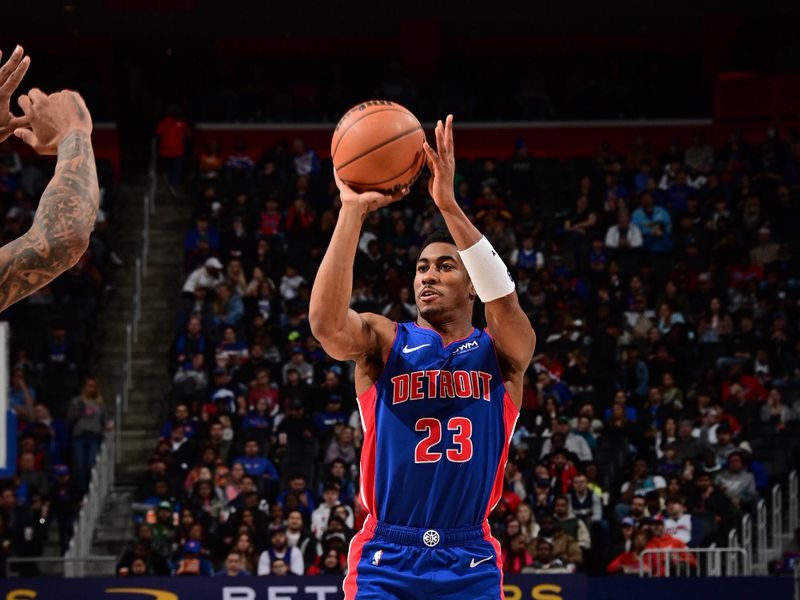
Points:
[365,201]
[50,117]
[442,163]
[11,74]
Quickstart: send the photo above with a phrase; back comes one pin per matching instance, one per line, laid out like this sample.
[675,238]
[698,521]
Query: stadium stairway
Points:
[148,402]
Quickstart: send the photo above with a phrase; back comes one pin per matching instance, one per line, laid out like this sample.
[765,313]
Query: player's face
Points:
[441,282]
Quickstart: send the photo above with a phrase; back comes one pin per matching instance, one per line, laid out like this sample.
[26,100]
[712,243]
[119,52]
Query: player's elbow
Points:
[73,246]
[320,325]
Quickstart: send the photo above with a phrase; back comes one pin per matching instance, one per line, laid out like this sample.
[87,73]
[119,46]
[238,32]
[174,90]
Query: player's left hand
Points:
[11,75]
[442,163]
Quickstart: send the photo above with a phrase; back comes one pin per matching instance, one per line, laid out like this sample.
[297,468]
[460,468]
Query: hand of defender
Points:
[442,163]
[51,117]
[11,74]
[366,201]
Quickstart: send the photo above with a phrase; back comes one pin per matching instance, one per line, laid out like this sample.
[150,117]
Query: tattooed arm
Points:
[60,124]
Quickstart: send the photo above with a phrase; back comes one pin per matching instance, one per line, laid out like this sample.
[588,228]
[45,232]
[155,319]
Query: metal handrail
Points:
[793,503]
[777,519]
[673,562]
[761,536]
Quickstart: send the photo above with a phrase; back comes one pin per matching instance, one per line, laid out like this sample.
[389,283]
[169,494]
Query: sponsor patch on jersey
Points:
[466,347]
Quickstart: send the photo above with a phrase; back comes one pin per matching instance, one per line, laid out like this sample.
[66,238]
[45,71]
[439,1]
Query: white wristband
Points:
[488,272]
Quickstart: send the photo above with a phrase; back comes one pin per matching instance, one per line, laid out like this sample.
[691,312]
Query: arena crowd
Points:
[661,403]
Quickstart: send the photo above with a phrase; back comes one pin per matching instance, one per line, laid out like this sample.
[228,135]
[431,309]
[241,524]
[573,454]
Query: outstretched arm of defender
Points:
[508,323]
[344,333]
[59,124]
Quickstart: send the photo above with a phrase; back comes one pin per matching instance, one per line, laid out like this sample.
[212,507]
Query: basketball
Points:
[377,145]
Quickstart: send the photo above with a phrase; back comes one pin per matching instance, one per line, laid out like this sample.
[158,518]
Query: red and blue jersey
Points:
[437,424]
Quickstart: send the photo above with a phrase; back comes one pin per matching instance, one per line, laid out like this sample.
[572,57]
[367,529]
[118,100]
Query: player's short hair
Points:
[440,235]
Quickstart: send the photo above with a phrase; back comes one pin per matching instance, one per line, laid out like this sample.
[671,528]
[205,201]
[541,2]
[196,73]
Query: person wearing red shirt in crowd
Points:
[562,470]
[270,219]
[516,556]
[262,387]
[172,132]
[679,561]
[628,562]
[750,386]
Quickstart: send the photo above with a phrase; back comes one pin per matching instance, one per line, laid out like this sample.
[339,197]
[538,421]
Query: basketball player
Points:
[438,399]
[56,124]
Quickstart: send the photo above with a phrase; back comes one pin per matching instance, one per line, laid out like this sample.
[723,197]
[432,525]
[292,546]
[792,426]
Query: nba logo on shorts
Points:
[376,559]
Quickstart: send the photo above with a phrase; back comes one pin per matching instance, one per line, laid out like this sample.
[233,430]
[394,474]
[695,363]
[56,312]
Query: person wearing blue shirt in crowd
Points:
[233,566]
[255,464]
[677,194]
[232,311]
[550,386]
[656,225]
[298,486]
[189,343]
[181,416]
[326,419]
[202,232]
[225,394]
[192,562]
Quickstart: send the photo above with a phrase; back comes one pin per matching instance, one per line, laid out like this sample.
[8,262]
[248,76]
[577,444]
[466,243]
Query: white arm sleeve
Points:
[488,272]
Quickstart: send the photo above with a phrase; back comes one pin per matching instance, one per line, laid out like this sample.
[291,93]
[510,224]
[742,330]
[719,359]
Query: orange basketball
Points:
[377,145]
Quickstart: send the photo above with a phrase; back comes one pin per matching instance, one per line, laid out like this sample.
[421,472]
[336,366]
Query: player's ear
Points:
[472,293]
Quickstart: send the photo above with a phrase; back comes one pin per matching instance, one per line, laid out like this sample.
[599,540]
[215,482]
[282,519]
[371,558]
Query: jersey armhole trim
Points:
[374,385]
[506,395]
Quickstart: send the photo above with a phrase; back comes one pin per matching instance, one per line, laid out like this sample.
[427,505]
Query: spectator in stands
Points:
[299,536]
[546,561]
[233,566]
[655,224]
[570,524]
[688,446]
[573,442]
[279,549]
[190,344]
[228,307]
[258,466]
[774,411]
[565,546]
[173,132]
[297,362]
[33,478]
[342,446]
[64,501]
[87,422]
[662,540]
[239,164]
[208,276]
[516,556]
[584,503]
[304,160]
[738,483]
[21,397]
[191,561]
[678,524]
[627,563]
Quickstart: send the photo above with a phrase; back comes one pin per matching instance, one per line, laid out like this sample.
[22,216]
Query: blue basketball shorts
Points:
[389,562]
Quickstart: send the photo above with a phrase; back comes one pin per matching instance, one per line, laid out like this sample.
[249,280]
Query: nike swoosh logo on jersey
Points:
[407,350]
[473,563]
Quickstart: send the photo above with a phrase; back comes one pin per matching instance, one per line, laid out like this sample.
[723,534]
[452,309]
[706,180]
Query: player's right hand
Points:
[365,202]
[51,117]
[11,74]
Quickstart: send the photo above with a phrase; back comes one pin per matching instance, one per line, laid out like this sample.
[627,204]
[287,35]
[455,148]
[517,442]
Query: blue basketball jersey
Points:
[437,424]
